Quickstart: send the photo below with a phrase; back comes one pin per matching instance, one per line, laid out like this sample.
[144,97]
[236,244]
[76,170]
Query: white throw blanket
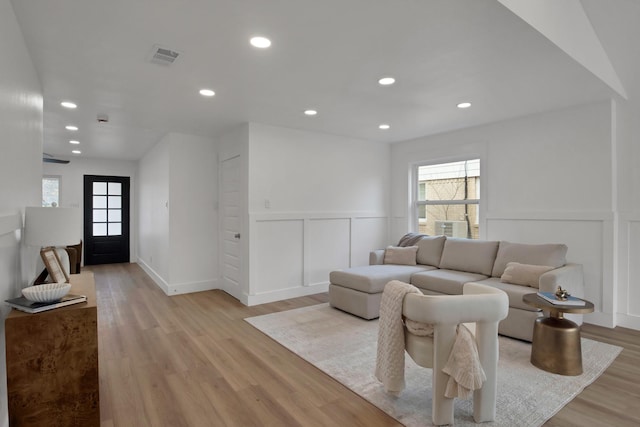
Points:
[390,352]
[463,366]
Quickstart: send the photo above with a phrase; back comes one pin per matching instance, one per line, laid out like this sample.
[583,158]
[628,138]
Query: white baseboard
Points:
[154,276]
[600,319]
[283,294]
[627,321]
[237,293]
[190,287]
[178,288]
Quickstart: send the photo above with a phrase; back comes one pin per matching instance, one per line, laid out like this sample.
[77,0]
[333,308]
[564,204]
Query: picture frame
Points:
[54,266]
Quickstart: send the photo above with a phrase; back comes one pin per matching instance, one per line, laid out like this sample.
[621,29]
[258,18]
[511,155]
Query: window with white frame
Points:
[50,190]
[447,198]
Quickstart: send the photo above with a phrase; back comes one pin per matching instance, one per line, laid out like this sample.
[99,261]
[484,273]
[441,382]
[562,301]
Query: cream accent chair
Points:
[485,307]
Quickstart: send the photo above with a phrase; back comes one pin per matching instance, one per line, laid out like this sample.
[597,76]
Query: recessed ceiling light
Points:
[384,126]
[77,152]
[310,112]
[260,42]
[71,127]
[207,92]
[386,81]
[68,104]
[464,105]
[74,142]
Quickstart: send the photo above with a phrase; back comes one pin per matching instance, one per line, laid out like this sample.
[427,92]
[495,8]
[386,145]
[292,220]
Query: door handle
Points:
[237,235]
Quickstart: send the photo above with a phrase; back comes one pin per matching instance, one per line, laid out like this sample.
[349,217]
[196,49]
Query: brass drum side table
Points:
[556,344]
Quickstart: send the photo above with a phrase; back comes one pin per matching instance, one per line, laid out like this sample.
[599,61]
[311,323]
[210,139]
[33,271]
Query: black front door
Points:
[106,219]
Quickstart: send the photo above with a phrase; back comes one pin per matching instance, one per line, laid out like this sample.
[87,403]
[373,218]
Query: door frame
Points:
[88,180]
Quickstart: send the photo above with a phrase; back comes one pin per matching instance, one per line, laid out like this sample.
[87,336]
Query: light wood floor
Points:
[191,360]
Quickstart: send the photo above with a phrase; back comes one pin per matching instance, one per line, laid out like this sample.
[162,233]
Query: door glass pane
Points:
[100,229]
[115,189]
[115,202]
[115,215]
[99,202]
[99,215]
[115,229]
[99,188]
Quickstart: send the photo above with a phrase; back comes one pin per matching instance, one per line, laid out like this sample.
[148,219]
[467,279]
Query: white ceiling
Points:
[326,55]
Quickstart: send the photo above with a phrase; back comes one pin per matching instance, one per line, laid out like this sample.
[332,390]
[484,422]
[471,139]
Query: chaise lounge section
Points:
[439,265]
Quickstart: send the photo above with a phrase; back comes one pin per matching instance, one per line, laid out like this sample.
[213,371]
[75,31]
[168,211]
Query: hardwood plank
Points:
[191,360]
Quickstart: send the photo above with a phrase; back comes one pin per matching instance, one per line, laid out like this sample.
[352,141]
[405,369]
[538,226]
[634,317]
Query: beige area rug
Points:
[344,347]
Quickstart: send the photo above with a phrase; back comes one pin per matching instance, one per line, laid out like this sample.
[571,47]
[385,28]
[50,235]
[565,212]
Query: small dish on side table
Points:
[47,292]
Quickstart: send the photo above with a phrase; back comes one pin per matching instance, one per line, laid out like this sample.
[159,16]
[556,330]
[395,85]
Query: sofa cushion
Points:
[473,256]
[524,274]
[444,281]
[514,292]
[372,278]
[430,250]
[551,254]
[400,255]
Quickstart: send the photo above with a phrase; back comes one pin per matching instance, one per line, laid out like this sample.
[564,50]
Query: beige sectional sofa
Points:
[439,265]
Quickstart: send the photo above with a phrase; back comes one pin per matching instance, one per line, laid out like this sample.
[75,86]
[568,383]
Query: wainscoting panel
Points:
[632,307]
[9,222]
[327,243]
[368,234]
[292,254]
[277,255]
[587,239]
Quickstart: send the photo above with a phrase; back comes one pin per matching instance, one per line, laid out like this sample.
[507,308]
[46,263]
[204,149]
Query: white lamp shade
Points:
[52,226]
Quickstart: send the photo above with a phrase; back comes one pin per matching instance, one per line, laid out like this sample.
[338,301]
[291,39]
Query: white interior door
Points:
[231,225]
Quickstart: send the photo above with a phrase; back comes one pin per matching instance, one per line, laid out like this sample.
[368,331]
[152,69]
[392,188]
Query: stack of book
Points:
[551,297]
[29,306]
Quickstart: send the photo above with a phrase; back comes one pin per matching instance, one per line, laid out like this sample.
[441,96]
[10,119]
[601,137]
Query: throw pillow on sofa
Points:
[551,254]
[524,274]
[400,255]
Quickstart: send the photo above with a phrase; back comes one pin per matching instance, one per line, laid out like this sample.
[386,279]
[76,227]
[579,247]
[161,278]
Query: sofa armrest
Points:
[376,257]
[570,277]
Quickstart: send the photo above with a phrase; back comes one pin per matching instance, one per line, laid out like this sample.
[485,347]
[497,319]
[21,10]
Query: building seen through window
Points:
[447,199]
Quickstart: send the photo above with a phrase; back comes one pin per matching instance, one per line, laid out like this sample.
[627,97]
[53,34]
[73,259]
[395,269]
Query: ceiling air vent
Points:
[163,56]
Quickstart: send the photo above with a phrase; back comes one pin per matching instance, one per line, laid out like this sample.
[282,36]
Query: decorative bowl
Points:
[46,293]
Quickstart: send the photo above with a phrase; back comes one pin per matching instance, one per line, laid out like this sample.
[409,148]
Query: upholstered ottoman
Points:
[358,290]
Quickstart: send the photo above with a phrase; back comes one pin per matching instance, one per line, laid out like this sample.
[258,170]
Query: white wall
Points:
[72,185]
[546,178]
[193,196]
[317,203]
[20,166]
[153,212]
[178,214]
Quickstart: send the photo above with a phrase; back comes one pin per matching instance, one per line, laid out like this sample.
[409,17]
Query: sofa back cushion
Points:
[551,254]
[473,256]
[430,250]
